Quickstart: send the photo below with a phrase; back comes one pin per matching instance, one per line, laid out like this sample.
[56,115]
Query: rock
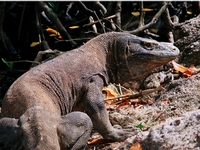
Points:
[156,79]
[177,134]
[188,42]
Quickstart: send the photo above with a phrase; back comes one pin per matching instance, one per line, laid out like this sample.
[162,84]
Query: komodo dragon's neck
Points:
[105,44]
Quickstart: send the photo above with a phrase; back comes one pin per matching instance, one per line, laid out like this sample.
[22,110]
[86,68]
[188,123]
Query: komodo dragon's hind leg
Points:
[39,129]
[43,130]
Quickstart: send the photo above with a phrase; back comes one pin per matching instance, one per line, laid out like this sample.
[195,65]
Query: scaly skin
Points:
[42,98]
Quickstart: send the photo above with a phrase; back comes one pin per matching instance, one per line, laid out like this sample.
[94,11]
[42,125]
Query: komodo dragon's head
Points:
[137,57]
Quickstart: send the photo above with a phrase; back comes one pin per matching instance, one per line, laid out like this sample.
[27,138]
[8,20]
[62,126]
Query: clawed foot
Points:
[118,135]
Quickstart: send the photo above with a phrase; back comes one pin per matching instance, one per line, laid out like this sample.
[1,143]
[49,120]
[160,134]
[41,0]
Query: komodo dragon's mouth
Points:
[154,58]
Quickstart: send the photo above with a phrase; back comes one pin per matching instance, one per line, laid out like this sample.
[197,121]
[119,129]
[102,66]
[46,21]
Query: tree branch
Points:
[153,21]
[118,14]
[54,19]
[141,23]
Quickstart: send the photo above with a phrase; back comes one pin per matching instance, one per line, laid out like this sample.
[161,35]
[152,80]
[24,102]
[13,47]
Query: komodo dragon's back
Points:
[73,81]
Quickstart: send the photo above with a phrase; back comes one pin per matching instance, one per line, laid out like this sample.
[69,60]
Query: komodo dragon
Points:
[42,108]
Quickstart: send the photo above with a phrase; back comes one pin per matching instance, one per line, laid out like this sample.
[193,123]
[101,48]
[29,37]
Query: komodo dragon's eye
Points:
[148,45]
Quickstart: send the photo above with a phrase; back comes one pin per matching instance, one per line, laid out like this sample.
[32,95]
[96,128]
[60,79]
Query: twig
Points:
[22,61]
[38,24]
[100,22]
[68,9]
[151,34]
[76,39]
[85,8]
[120,89]
[135,95]
[101,7]
[107,18]
[22,17]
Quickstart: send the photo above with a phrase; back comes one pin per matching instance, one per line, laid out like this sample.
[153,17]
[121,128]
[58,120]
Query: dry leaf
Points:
[33,44]
[189,12]
[58,36]
[153,30]
[54,32]
[126,103]
[135,13]
[74,27]
[184,70]
[110,93]
[136,146]
[147,9]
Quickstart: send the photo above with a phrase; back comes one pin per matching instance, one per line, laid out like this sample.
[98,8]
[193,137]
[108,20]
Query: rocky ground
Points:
[172,122]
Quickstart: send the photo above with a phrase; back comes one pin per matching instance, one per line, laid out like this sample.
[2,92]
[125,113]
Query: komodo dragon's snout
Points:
[42,108]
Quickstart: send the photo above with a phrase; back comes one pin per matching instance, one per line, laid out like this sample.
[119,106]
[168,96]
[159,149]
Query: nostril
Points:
[174,48]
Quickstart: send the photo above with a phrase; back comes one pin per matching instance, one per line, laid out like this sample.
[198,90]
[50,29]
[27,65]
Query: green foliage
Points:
[140,126]
[55,7]
[9,64]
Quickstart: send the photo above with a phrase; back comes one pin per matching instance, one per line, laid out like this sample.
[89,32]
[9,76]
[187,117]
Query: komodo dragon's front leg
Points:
[94,106]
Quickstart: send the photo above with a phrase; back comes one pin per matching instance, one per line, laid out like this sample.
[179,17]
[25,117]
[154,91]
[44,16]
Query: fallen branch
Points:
[135,95]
